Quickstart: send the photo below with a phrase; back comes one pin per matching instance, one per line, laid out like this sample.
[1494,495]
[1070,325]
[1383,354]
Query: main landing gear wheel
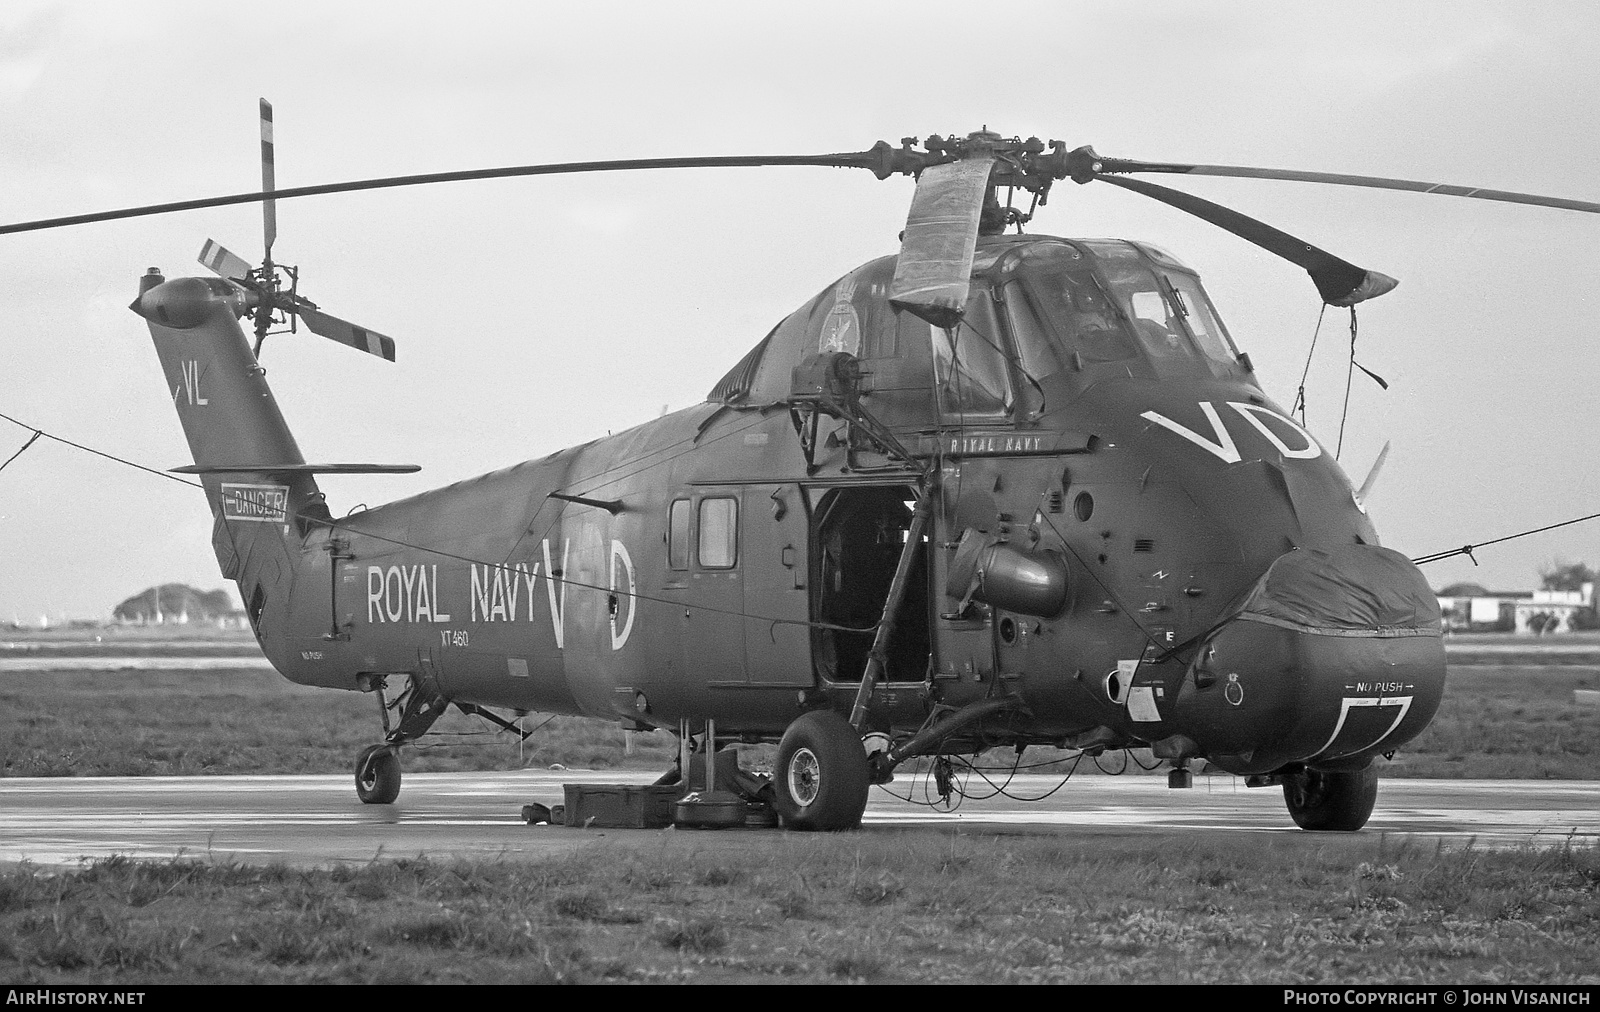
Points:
[377,775]
[1338,802]
[821,774]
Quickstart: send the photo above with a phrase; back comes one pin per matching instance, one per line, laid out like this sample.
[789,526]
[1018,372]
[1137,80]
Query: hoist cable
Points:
[1467,550]
[1300,395]
[1349,375]
[31,440]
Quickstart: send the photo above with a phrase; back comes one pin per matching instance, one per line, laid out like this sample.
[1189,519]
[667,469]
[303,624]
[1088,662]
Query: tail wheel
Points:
[1339,802]
[377,775]
[821,774]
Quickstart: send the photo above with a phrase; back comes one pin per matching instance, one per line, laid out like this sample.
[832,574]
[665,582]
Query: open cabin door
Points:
[859,533]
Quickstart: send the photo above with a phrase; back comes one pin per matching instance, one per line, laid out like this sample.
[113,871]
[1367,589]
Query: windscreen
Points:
[1143,298]
[1201,318]
[1056,315]
[1168,310]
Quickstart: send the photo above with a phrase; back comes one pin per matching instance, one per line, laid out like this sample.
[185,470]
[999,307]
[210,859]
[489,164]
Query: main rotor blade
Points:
[872,159]
[219,260]
[1339,282]
[345,332]
[935,265]
[1340,179]
[269,180]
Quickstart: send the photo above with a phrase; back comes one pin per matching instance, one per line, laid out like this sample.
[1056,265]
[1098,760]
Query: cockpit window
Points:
[1140,303]
[1197,313]
[1035,350]
[970,361]
[1166,305]
[1154,316]
[1076,309]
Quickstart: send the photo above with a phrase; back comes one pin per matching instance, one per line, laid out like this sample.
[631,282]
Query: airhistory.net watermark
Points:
[71,996]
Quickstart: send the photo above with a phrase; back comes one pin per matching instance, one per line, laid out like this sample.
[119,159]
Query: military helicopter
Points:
[997,490]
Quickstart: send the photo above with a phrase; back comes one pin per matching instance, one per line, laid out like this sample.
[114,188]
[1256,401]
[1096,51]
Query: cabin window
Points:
[678,535]
[970,361]
[719,532]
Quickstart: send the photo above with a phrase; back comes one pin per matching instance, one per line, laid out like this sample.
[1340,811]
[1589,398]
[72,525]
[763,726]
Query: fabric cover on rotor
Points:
[935,265]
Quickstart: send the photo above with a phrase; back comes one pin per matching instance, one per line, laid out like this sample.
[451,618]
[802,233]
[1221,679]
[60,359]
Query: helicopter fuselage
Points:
[1166,557]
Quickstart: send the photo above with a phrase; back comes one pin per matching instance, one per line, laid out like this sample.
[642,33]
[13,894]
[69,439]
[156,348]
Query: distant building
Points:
[1487,611]
[1556,610]
[1470,608]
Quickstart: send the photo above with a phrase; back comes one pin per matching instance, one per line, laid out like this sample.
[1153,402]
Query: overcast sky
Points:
[532,314]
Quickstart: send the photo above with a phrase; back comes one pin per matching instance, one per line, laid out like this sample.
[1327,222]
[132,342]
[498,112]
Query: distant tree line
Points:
[177,602]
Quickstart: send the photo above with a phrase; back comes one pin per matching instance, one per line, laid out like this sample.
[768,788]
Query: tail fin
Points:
[259,486]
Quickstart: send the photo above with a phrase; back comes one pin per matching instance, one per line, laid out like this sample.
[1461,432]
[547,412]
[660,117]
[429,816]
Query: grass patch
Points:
[181,723]
[918,906]
[1496,721]
[1514,721]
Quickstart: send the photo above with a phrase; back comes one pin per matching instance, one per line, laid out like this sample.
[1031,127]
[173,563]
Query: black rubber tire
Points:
[820,777]
[377,775]
[1332,802]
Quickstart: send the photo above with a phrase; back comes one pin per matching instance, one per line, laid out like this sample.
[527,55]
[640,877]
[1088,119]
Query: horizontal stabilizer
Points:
[298,468]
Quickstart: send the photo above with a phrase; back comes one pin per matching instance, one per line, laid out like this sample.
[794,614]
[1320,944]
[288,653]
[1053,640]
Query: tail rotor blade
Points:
[269,180]
[345,332]
[220,261]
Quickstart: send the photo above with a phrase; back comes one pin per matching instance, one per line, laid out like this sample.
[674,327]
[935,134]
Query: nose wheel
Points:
[1339,802]
[377,775]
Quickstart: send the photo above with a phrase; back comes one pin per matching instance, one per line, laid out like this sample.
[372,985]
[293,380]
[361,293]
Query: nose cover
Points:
[1333,657]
